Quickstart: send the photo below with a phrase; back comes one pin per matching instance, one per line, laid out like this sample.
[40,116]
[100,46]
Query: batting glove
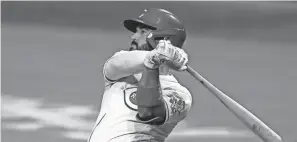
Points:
[152,60]
[174,57]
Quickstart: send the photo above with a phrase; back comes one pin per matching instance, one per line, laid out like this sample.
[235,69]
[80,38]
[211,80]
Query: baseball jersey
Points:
[117,121]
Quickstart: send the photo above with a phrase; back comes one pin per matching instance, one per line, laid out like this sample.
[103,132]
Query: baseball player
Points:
[142,100]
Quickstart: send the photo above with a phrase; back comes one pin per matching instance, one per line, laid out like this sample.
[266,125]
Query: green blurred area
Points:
[273,21]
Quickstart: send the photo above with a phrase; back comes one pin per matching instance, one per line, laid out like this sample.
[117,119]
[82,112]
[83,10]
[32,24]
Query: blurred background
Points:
[53,53]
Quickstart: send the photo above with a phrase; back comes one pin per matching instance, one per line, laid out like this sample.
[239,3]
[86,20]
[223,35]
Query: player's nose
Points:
[135,36]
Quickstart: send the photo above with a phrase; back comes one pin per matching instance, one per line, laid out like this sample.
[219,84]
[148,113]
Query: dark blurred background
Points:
[256,20]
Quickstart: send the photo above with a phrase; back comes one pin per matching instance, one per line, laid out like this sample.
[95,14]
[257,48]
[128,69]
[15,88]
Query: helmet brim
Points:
[131,24]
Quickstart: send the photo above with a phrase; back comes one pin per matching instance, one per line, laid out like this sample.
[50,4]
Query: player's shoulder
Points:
[178,100]
[106,67]
[120,52]
[173,87]
[171,83]
[115,54]
[179,91]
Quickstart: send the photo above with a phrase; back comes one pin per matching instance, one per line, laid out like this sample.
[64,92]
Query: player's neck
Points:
[164,70]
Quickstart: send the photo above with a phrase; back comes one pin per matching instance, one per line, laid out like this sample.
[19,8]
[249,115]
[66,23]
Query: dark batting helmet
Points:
[164,23]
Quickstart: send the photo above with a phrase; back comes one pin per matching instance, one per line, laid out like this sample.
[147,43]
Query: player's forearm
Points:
[149,100]
[125,64]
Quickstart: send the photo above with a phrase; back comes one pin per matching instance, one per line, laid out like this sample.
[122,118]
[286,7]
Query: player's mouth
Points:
[133,45]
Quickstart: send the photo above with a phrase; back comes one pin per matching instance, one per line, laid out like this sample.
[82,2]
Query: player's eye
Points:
[143,31]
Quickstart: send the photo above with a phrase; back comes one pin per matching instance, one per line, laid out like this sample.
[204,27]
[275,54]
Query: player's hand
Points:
[152,60]
[174,57]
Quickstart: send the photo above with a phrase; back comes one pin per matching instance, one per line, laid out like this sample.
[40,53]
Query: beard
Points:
[134,46]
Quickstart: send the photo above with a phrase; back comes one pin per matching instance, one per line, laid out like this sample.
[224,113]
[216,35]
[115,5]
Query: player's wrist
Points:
[150,78]
[152,60]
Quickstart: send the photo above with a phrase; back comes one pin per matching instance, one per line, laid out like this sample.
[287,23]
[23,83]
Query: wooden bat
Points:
[249,119]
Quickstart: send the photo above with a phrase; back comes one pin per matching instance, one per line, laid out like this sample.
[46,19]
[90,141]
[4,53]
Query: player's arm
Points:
[151,106]
[178,103]
[123,64]
[157,107]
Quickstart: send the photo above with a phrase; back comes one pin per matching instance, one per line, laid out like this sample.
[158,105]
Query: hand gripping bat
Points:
[249,119]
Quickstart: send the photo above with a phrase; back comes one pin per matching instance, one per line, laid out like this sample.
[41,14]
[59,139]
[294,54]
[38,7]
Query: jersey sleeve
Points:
[178,103]
[107,80]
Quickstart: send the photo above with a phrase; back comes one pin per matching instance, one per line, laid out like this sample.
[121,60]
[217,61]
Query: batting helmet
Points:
[163,22]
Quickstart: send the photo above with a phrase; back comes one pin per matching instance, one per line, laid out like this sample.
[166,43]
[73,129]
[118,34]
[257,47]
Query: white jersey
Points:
[117,121]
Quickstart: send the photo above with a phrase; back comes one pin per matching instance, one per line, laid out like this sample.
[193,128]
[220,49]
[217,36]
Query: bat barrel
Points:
[249,119]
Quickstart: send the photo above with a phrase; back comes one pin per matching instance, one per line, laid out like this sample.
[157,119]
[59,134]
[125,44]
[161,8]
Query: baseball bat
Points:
[248,118]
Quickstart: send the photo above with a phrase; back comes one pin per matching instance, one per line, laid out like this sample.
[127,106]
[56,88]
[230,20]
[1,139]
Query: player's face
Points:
[139,39]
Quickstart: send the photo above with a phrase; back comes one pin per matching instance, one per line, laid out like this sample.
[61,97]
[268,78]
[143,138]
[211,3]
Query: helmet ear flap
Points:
[156,35]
